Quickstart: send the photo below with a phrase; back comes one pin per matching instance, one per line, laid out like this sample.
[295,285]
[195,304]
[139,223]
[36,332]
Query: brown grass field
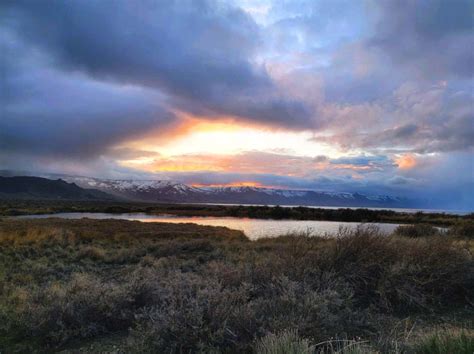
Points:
[114,286]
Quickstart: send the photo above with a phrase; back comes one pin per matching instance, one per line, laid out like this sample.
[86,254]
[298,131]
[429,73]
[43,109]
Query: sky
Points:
[369,96]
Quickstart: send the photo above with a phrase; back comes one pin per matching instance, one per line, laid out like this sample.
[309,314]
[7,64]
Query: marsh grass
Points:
[287,342]
[189,288]
[440,342]
[27,207]
[417,230]
[462,229]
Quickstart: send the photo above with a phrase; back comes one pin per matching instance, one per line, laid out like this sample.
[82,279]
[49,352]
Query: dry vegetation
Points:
[22,207]
[122,286]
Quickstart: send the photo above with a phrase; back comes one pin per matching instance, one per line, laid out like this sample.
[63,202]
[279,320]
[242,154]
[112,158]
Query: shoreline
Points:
[361,215]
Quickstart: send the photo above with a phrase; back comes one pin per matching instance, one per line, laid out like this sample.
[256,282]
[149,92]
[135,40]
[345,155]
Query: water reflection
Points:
[253,228]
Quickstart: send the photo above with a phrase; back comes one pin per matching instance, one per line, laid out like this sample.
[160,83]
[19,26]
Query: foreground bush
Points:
[83,307]
[284,343]
[205,315]
[400,275]
[462,229]
[290,342]
[185,288]
[417,230]
[446,342]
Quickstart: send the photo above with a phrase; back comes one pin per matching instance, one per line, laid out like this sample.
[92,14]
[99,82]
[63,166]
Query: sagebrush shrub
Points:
[175,288]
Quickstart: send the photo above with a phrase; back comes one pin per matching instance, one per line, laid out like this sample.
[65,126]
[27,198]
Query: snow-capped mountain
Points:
[176,192]
[144,190]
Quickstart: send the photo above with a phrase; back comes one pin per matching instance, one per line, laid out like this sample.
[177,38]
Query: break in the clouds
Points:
[374,96]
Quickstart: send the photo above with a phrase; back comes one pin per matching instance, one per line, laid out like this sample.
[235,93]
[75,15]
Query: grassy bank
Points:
[122,286]
[12,208]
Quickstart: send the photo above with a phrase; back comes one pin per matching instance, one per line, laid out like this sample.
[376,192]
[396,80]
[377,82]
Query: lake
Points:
[253,228]
[398,210]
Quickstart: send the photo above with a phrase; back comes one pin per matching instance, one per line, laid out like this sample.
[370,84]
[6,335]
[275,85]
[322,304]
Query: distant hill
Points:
[26,187]
[175,192]
[65,187]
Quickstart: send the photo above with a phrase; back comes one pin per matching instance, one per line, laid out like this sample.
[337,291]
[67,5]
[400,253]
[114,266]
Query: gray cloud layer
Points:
[433,37]
[383,77]
[202,57]
[200,52]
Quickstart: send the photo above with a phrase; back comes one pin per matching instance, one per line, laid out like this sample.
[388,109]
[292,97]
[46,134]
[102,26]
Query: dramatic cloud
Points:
[46,111]
[72,117]
[199,52]
[432,37]
[369,96]
[417,118]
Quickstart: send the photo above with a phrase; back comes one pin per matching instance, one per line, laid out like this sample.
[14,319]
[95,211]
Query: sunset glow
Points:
[220,137]
[234,184]
[406,162]
[318,95]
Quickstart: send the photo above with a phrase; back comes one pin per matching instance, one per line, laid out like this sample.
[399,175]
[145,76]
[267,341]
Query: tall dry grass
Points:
[187,288]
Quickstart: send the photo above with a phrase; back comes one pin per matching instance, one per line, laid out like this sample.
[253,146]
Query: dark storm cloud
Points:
[51,113]
[83,122]
[400,180]
[199,52]
[432,37]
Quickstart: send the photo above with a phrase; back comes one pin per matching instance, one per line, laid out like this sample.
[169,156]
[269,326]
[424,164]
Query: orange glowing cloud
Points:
[233,184]
[188,124]
[184,163]
[405,162]
[247,162]
[224,135]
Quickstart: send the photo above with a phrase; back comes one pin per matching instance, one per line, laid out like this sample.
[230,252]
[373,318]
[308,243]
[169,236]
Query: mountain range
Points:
[166,191]
[176,192]
[29,187]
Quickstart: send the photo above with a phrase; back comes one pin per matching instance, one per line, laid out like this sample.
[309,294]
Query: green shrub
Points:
[398,274]
[417,230]
[462,229]
[344,346]
[83,307]
[446,342]
[287,342]
[205,314]
[191,314]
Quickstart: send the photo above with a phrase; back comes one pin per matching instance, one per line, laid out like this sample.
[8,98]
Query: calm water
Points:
[253,228]
[399,210]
